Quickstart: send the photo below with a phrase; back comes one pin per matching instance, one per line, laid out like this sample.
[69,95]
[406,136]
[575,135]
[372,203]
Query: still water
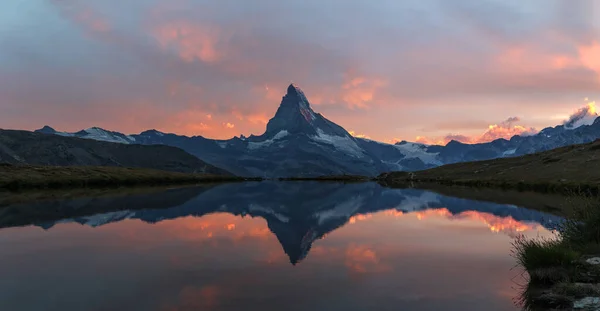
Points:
[263,246]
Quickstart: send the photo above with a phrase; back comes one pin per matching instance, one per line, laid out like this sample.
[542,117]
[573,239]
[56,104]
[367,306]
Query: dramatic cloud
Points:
[169,65]
[506,130]
[190,41]
[583,116]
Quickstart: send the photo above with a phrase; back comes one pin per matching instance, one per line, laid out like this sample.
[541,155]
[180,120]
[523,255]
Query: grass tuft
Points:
[583,227]
[533,254]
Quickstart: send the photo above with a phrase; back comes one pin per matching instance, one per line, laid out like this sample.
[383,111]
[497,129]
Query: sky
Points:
[417,70]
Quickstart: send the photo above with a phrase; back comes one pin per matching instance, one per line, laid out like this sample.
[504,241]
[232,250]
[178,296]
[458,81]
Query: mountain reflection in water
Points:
[359,246]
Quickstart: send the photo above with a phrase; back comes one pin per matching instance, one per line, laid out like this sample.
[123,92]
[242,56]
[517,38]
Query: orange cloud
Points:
[359,92]
[192,42]
[582,116]
[360,258]
[505,129]
[229,125]
[590,56]
[424,140]
[494,223]
[358,135]
[359,217]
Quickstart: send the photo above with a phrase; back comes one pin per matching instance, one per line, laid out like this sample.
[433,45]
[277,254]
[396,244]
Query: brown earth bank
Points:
[568,170]
[21,177]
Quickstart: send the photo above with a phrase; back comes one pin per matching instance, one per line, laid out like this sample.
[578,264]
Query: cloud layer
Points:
[219,68]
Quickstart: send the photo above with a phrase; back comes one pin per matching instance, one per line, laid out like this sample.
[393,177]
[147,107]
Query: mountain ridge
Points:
[298,142]
[22,147]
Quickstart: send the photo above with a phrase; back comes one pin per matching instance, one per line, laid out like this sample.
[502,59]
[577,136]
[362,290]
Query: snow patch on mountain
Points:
[342,143]
[416,203]
[268,142]
[418,151]
[342,210]
[102,219]
[265,210]
[509,152]
[96,133]
[64,134]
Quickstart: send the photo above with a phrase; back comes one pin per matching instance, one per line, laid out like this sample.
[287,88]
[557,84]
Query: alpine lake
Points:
[262,246]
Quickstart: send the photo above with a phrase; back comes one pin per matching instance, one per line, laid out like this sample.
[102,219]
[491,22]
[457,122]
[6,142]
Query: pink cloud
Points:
[190,41]
[505,129]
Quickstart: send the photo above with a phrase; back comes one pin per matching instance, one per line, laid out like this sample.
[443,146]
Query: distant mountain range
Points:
[297,213]
[21,147]
[299,142]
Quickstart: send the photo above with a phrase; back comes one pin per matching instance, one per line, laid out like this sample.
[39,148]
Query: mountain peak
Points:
[296,96]
[294,114]
[47,130]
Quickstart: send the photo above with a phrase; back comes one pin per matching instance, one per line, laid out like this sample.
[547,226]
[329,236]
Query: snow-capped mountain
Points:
[300,142]
[94,133]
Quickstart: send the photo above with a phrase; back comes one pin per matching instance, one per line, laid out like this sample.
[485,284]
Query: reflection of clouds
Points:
[389,257]
[222,226]
[360,258]
[196,298]
[495,223]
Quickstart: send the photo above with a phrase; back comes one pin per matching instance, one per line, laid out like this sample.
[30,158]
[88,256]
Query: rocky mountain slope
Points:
[21,147]
[297,142]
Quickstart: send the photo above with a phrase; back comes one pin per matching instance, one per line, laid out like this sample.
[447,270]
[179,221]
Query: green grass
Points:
[543,253]
[582,229]
[564,170]
[557,270]
[17,177]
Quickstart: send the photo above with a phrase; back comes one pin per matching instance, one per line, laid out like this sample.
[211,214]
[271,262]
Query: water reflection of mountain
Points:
[298,213]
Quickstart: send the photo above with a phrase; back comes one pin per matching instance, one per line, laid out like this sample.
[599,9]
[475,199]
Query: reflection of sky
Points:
[388,261]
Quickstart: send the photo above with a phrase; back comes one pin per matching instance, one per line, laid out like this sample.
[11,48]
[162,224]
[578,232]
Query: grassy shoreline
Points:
[566,170]
[564,272]
[400,179]
[24,177]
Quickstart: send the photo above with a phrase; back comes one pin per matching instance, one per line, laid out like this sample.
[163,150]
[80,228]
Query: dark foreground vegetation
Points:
[20,177]
[565,170]
[564,272]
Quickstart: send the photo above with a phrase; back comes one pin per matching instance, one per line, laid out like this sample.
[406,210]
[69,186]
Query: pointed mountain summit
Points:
[295,116]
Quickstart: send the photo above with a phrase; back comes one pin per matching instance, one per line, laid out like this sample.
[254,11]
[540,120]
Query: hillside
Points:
[563,169]
[21,177]
[22,147]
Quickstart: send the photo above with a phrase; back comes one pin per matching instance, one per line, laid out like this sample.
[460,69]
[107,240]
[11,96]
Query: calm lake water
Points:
[263,246]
